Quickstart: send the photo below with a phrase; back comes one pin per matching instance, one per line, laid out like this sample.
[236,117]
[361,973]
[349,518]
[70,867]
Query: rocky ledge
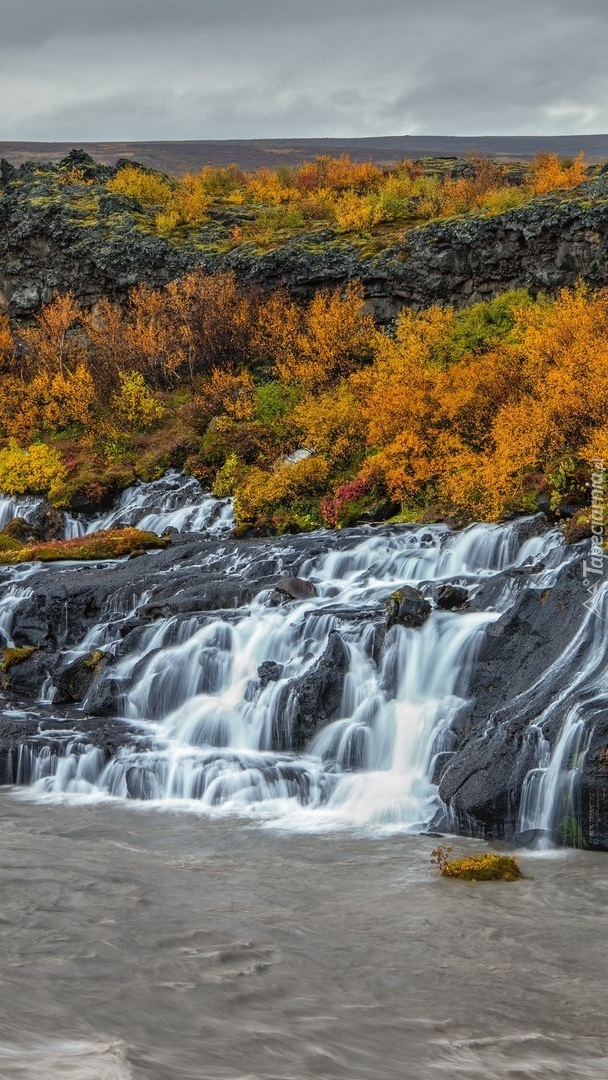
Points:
[56,235]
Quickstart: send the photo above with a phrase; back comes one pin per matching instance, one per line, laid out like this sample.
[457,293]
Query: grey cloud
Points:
[128,69]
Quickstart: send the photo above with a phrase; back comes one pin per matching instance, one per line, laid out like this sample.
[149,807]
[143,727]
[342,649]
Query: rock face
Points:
[313,700]
[516,678]
[85,239]
[452,597]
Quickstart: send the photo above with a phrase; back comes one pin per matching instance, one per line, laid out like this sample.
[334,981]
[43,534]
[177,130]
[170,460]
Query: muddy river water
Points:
[146,943]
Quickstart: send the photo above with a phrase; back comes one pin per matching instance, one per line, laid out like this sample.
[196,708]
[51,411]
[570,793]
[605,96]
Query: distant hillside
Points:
[178,157]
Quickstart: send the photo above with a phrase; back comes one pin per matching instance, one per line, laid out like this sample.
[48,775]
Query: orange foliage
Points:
[551,174]
[52,342]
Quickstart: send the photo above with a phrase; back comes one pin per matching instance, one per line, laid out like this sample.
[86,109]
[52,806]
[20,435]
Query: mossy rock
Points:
[486,867]
[8,543]
[13,656]
[105,544]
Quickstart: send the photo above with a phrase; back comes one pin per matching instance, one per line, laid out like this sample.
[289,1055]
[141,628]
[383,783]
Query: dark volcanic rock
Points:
[293,588]
[312,701]
[510,690]
[407,607]
[268,672]
[78,236]
[73,682]
[452,597]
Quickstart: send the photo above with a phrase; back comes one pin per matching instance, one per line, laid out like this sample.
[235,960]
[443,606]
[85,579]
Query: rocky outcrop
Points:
[528,659]
[407,607]
[59,237]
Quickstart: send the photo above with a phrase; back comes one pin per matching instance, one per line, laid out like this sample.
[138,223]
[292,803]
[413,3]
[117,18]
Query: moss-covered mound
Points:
[13,656]
[105,544]
[486,867]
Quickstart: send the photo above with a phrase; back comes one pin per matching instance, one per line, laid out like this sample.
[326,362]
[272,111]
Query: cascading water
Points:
[213,726]
[549,793]
[24,507]
[173,502]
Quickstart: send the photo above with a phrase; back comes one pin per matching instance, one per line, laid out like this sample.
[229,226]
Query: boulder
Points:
[268,672]
[73,682]
[293,588]
[407,607]
[452,597]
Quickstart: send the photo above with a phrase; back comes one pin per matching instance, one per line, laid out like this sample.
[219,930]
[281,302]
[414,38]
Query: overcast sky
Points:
[212,69]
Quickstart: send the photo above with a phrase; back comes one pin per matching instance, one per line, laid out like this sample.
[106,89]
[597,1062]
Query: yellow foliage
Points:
[148,188]
[357,213]
[229,394]
[38,470]
[550,174]
[262,493]
[332,424]
[135,404]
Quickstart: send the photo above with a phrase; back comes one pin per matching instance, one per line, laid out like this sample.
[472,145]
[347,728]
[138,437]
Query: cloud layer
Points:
[212,69]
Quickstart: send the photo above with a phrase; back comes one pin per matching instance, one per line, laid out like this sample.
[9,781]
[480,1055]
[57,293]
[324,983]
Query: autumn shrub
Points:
[549,173]
[134,404]
[286,497]
[347,503]
[36,470]
[149,188]
[357,213]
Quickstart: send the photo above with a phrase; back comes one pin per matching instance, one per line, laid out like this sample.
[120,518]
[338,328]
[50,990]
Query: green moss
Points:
[7,543]
[12,656]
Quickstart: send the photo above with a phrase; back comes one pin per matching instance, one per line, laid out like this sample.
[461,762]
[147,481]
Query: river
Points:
[161,945]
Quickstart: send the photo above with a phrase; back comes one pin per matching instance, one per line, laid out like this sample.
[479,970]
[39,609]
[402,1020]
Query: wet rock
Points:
[73,682]
[293,588]
[269,671]
[22,741]
[452,597]
[531,839]
[407,607]
[509,693]
[48,522]
[313,700]
[24,675]
[593,788]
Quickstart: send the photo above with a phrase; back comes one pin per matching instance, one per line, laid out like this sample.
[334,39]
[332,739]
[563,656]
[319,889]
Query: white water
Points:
[175,501]
[549,792]
[194,689]
[22,507]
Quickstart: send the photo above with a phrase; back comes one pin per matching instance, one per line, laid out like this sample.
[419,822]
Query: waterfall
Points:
[173,502]
[549,794]
[211,726]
